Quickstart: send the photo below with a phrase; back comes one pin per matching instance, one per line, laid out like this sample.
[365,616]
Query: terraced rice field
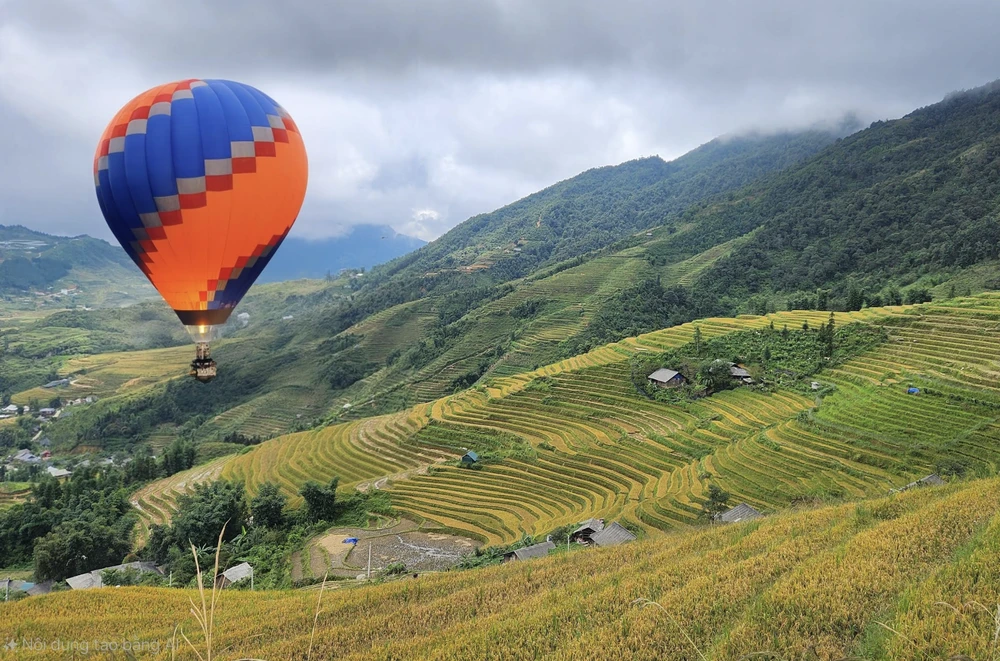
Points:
[157,502]
[109,374]
[271,414]
[602,450]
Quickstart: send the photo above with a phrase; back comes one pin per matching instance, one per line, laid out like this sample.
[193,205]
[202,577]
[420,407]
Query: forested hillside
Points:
[35,266]
[900,201]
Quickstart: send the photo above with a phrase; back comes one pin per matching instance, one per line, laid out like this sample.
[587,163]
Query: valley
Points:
[803,324]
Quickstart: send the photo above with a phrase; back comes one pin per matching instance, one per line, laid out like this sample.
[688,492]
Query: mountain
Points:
[913,200]
[749,224]
[34,267]
[401,326]
[599,206]
[363,247]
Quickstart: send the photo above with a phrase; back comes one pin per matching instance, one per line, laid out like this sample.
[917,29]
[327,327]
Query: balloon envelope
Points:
[200,181]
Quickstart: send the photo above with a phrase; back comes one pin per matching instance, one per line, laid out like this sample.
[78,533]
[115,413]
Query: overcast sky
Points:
[419,114]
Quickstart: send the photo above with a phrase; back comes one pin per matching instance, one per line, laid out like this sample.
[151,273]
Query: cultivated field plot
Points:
[886,579]
[109,374]
[419,550]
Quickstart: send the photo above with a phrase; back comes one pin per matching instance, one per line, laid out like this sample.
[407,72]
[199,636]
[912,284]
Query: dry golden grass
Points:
[861,580]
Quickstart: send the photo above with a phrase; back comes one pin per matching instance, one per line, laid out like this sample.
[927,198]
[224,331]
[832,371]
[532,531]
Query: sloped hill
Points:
[902,200]
[601,205]
[361,247]
[895,577]
[93,271]
[575,439]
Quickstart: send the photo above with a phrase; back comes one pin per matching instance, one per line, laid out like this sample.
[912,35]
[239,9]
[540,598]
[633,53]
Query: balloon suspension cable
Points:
[203,367]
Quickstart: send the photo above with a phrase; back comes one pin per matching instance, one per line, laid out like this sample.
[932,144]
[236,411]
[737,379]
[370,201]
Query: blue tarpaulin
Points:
[913,391]
[351,540]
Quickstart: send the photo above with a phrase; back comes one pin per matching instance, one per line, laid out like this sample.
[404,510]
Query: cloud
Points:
[421,114]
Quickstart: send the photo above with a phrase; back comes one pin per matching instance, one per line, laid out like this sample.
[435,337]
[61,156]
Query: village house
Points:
[665,378]
[528,552]
[94,579]
[26,457]
[470,458]
[586,531]
[58,473]
[740,374]
[10,408]
[612,535]
[742,512]
[932,480]
[235,574]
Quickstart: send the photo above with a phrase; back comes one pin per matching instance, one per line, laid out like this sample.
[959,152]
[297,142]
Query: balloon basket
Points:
[203,367]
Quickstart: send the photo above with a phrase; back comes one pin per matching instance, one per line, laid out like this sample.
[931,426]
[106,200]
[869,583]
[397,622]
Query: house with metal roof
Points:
[26,456]
[94,579]
[8,585]
[613,535]
[58,473]
[742,512]
[470,457]
[586,531]
[528,552]
[666,378]
[740,373]
[235,574]
[932,480]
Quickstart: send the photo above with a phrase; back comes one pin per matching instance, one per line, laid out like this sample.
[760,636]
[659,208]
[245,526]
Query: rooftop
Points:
[612,535]
[239,572]
[741,512]
[534,551]
[663,375]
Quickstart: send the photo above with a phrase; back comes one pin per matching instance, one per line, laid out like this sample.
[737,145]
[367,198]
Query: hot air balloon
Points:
[200,181]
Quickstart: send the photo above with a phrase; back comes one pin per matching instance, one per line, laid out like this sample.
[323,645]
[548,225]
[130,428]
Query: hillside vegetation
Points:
[577,438]
[912,575]
[35,267]
[413,331]
[897,213]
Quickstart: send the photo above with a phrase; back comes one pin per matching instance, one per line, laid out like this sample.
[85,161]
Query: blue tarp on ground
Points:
[913,391]
[351,540]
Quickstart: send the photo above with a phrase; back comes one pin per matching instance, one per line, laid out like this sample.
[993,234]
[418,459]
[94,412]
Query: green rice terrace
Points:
[578,438]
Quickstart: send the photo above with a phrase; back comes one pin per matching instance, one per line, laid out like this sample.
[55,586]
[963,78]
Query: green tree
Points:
[178,456]
[268,507]
[717,503]
[201,514]
[714,375]
[320,501]
[697,340]
[75,547]
[855,297]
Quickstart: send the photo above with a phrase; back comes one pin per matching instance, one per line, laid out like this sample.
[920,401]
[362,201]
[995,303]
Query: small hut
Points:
[742,512]
[664,378]
[235,574]
[586,531]
[470,458]
[612,535]
[528,552]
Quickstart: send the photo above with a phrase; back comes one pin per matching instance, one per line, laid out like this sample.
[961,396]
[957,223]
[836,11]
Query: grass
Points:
[813,582]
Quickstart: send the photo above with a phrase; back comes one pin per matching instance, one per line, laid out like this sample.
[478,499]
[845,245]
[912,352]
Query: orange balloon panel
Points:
[200,181]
